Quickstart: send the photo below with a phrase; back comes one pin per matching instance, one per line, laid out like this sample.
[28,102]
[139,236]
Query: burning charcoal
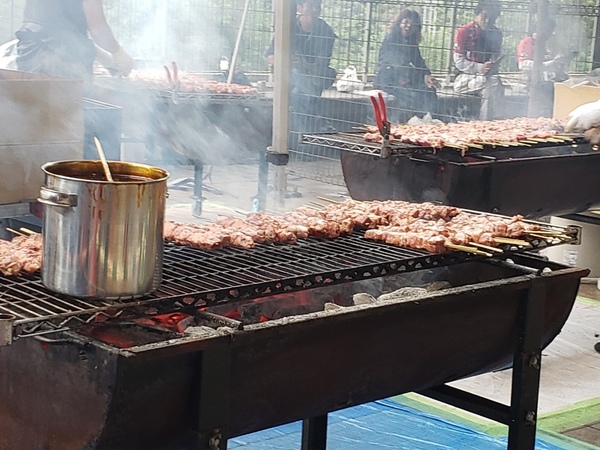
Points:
[363,299]
[331,307]
[438,286]
[408,293]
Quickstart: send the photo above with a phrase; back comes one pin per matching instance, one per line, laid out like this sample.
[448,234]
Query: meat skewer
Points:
[427,226]
[475,134]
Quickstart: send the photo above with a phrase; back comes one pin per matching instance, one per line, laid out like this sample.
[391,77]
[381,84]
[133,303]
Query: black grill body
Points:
[77,392]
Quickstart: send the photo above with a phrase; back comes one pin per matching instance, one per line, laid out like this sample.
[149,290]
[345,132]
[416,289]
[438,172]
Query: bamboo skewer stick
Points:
[565,237]
[519,242]
[466,248]
[312,207]
[549,239]
[487,247]
[28,231]
[325,199]
[317,204]
[543,231]
[565,137]
[18,233]
[474,145]
[105,167]
[458,147]
[553,237]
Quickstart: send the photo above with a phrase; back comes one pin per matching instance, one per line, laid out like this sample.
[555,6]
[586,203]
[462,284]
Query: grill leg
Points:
[198,170]
[314,433]
[526,370]
[213,406]
[521,415]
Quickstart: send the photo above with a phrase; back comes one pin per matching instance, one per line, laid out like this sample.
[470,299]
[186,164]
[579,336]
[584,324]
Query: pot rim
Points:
[163,175]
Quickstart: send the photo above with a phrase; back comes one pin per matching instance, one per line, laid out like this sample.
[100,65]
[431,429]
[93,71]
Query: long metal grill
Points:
[354,142]
[194,278]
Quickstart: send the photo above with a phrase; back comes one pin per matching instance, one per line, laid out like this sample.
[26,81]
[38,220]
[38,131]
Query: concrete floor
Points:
[570,387]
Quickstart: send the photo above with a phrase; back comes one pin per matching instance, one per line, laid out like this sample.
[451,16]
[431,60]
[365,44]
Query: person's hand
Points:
[104,58]
[302,66]
[270,59]
[593,135]
[584,117]
[122,62]
[486,67]
[431,82]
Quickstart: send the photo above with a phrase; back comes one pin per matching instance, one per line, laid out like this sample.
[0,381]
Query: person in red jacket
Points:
[477,53]
[553,66]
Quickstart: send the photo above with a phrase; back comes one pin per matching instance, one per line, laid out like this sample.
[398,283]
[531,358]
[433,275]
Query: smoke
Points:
[573,40]
[195,39]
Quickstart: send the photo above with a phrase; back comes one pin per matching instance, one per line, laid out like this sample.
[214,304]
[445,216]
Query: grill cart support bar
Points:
[213,399]
[521,415]
[314,433]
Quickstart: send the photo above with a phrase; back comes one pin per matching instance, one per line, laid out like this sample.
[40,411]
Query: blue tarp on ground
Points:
[384,424]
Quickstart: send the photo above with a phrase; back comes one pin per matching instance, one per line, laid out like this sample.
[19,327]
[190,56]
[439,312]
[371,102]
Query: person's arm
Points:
[420,63]
[103,36]
[429,80]
[387,52]
[99,29]
[324,49]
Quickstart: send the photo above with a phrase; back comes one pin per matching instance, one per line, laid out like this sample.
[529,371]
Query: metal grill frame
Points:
[194,278]
[357,144]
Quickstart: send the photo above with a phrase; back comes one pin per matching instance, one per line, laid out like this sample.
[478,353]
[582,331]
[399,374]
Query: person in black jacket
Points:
[312,44]
[402,71]
[63,37]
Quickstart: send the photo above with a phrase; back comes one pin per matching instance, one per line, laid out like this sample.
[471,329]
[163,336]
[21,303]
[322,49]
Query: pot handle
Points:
[55,198]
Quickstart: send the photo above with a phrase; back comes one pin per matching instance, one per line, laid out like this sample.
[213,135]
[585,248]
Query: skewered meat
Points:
[425,226]
[475,132]
[21,254]
[188,83]
[431,227]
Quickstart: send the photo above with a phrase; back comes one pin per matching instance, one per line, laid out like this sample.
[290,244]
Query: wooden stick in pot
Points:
[103,160]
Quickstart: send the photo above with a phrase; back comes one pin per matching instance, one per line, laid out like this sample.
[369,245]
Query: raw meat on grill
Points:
[188,83]
[476,132]
[427,226]
[21,254]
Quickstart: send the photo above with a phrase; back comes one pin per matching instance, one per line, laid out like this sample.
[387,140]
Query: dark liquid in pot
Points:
[97,176]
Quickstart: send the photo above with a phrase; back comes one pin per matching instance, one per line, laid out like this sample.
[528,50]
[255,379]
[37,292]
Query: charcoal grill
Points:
[198,129]
[98,376]
[542,180]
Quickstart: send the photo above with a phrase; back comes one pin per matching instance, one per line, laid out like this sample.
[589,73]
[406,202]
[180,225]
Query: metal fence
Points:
[198,33]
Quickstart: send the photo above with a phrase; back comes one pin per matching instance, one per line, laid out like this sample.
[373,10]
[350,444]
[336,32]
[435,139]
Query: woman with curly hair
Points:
[402,71]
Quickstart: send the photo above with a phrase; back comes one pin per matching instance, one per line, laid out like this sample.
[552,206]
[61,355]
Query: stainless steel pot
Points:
[103,239]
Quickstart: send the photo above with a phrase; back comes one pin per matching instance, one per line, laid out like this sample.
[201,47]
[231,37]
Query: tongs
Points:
[173,82]
[383,124]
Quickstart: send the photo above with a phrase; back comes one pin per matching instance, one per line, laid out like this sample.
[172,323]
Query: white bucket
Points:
[585,255]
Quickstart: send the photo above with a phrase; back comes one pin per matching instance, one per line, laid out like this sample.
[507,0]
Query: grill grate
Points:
[354,142]
[212,97]
[193,277]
